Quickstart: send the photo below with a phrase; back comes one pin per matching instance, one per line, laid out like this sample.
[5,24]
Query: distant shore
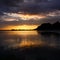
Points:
[42,27]
[49,27]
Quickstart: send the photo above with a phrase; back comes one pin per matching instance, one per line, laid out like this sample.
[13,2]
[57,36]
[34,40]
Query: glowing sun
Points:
[26,27]
[20,27]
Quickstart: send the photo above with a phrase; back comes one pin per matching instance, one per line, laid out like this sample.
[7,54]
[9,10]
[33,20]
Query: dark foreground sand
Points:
[30,53]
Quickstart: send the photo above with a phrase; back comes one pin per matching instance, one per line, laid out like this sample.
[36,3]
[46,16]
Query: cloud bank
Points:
[48,8]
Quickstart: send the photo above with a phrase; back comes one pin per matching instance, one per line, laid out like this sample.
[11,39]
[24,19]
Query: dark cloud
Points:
[37,7]
[15,6]
[42,7]
[41,1]
[10,2]
[17,23]
[48,19]
[9,6]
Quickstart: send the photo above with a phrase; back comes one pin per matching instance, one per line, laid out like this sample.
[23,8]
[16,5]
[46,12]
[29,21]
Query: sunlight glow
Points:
[23,33]
[21,27]
[24,39]
[29,43]
[26,27]
[23,16]
[29,17]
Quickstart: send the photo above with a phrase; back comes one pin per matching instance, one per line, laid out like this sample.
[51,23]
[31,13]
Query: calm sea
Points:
[29,45]
[16,39]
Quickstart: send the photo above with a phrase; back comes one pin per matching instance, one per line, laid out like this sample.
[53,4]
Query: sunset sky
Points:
[17,14]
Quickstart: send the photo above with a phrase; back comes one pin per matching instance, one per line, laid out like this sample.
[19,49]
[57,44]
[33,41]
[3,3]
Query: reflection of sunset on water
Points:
[28,43]
[19,39]
[23,33]
[24,39]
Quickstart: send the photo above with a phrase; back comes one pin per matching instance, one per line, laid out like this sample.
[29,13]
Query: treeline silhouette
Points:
[48,26]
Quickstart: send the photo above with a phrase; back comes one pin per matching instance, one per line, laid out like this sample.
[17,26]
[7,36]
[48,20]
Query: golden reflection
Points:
[23,33]
[23,39]
[19,39]
[24,43]
[28,43]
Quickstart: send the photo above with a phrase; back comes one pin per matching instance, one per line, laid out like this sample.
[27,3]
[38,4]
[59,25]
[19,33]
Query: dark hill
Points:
[48,26]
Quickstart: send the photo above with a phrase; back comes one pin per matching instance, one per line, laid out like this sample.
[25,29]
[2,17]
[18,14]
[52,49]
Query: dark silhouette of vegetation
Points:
[21,30]
[48,26]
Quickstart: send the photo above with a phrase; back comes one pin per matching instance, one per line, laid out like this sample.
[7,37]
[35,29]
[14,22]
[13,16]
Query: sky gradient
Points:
[28,12]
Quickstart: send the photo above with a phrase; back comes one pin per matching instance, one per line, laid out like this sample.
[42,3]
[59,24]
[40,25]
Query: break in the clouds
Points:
[28,6]
[11,10]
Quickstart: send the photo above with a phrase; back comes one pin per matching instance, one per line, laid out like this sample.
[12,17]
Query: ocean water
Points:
[16,39]
[30,45]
